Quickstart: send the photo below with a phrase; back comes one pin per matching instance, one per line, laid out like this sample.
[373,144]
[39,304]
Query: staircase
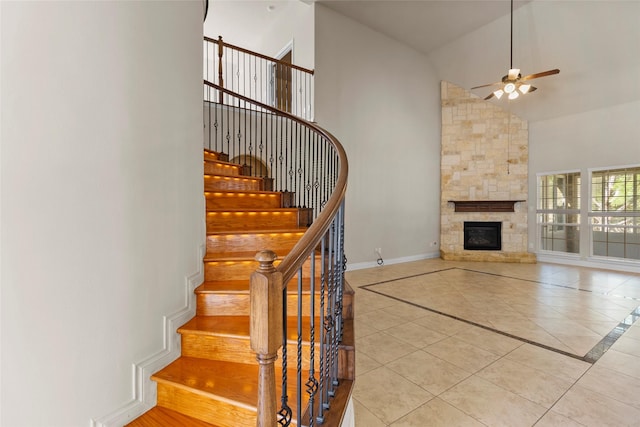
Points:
[215,380]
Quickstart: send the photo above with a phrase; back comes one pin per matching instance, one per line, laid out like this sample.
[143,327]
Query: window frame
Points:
[590,214]
[566,212]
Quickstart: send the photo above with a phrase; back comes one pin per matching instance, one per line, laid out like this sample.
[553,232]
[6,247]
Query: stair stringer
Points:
[144,389]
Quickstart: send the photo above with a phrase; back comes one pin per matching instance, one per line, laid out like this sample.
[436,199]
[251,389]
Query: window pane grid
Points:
[558,212]
[616,190]
[615,213]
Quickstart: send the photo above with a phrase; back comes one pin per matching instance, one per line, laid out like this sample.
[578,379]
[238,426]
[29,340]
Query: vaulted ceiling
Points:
[595,44]
[424,25]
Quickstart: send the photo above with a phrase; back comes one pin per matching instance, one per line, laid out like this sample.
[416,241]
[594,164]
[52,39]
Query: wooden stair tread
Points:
[294,230]
[236,326]
[231,256]
[214,155]
[259,210]
[223,175]
[238,192]
[242,257]
[225,380]
[163,417]
[231,176]
[242,286]
[222,162]
[235,383]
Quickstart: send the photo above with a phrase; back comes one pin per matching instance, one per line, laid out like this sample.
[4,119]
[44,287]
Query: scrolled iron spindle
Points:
[285,413]
[312,382]
[299,348]
[323,330]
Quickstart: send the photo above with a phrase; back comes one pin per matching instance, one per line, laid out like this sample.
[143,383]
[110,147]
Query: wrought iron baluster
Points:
[236,128]
[343,265]
[312,382]
[271,157]
[316,180]
[245,136]
[309,172]
[229,135]
[323,331]
[285,412]
[299,370]
[281,157]
[330,314]
[300,169]
[288,155]
[338,298]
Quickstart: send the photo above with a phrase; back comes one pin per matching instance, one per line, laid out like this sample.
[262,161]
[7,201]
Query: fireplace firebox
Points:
[482,236]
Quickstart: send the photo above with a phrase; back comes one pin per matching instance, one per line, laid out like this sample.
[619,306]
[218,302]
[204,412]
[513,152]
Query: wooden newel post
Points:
[266,333]
[220,77]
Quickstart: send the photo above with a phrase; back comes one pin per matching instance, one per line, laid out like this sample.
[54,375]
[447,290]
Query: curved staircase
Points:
[215,380]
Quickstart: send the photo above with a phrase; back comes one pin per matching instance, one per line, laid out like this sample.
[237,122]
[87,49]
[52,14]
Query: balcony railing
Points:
[271,81]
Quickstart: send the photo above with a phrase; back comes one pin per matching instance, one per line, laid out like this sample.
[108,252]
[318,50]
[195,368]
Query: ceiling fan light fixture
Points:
[511,84]
[524,88]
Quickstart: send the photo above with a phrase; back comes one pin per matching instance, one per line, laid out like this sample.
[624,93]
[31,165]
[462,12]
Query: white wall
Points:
[381,99]
[251,25]
[102,206]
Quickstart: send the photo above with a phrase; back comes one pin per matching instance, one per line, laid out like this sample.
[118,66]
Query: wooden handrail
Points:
[259,55]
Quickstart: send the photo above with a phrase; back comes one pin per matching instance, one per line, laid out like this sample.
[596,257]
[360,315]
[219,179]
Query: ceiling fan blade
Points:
[490,84]
[488,97]
[538,75]
[532,88]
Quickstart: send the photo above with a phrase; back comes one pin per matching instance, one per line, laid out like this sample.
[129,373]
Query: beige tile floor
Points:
[442,343]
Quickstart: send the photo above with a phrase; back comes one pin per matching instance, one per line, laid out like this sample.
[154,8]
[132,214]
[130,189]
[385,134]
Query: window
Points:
[614,214]
[558,214]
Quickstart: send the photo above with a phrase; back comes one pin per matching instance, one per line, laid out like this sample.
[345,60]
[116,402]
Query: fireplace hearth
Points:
[482,236]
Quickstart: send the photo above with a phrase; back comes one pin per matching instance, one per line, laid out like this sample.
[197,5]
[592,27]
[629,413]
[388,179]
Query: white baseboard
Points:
[604,264]
[370,264]
[144,390]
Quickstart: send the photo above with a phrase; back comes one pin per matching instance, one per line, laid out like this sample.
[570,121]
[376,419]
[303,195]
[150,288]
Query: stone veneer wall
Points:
[484,157]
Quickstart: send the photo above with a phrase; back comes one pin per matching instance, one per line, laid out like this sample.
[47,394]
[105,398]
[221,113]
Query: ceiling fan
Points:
[514,84]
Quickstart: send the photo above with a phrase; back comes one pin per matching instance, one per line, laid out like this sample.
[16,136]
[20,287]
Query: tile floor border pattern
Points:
[601,348]
[590,357]
[608,294]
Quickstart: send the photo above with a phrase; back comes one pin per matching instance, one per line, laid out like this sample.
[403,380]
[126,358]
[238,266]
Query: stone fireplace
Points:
[484,178]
